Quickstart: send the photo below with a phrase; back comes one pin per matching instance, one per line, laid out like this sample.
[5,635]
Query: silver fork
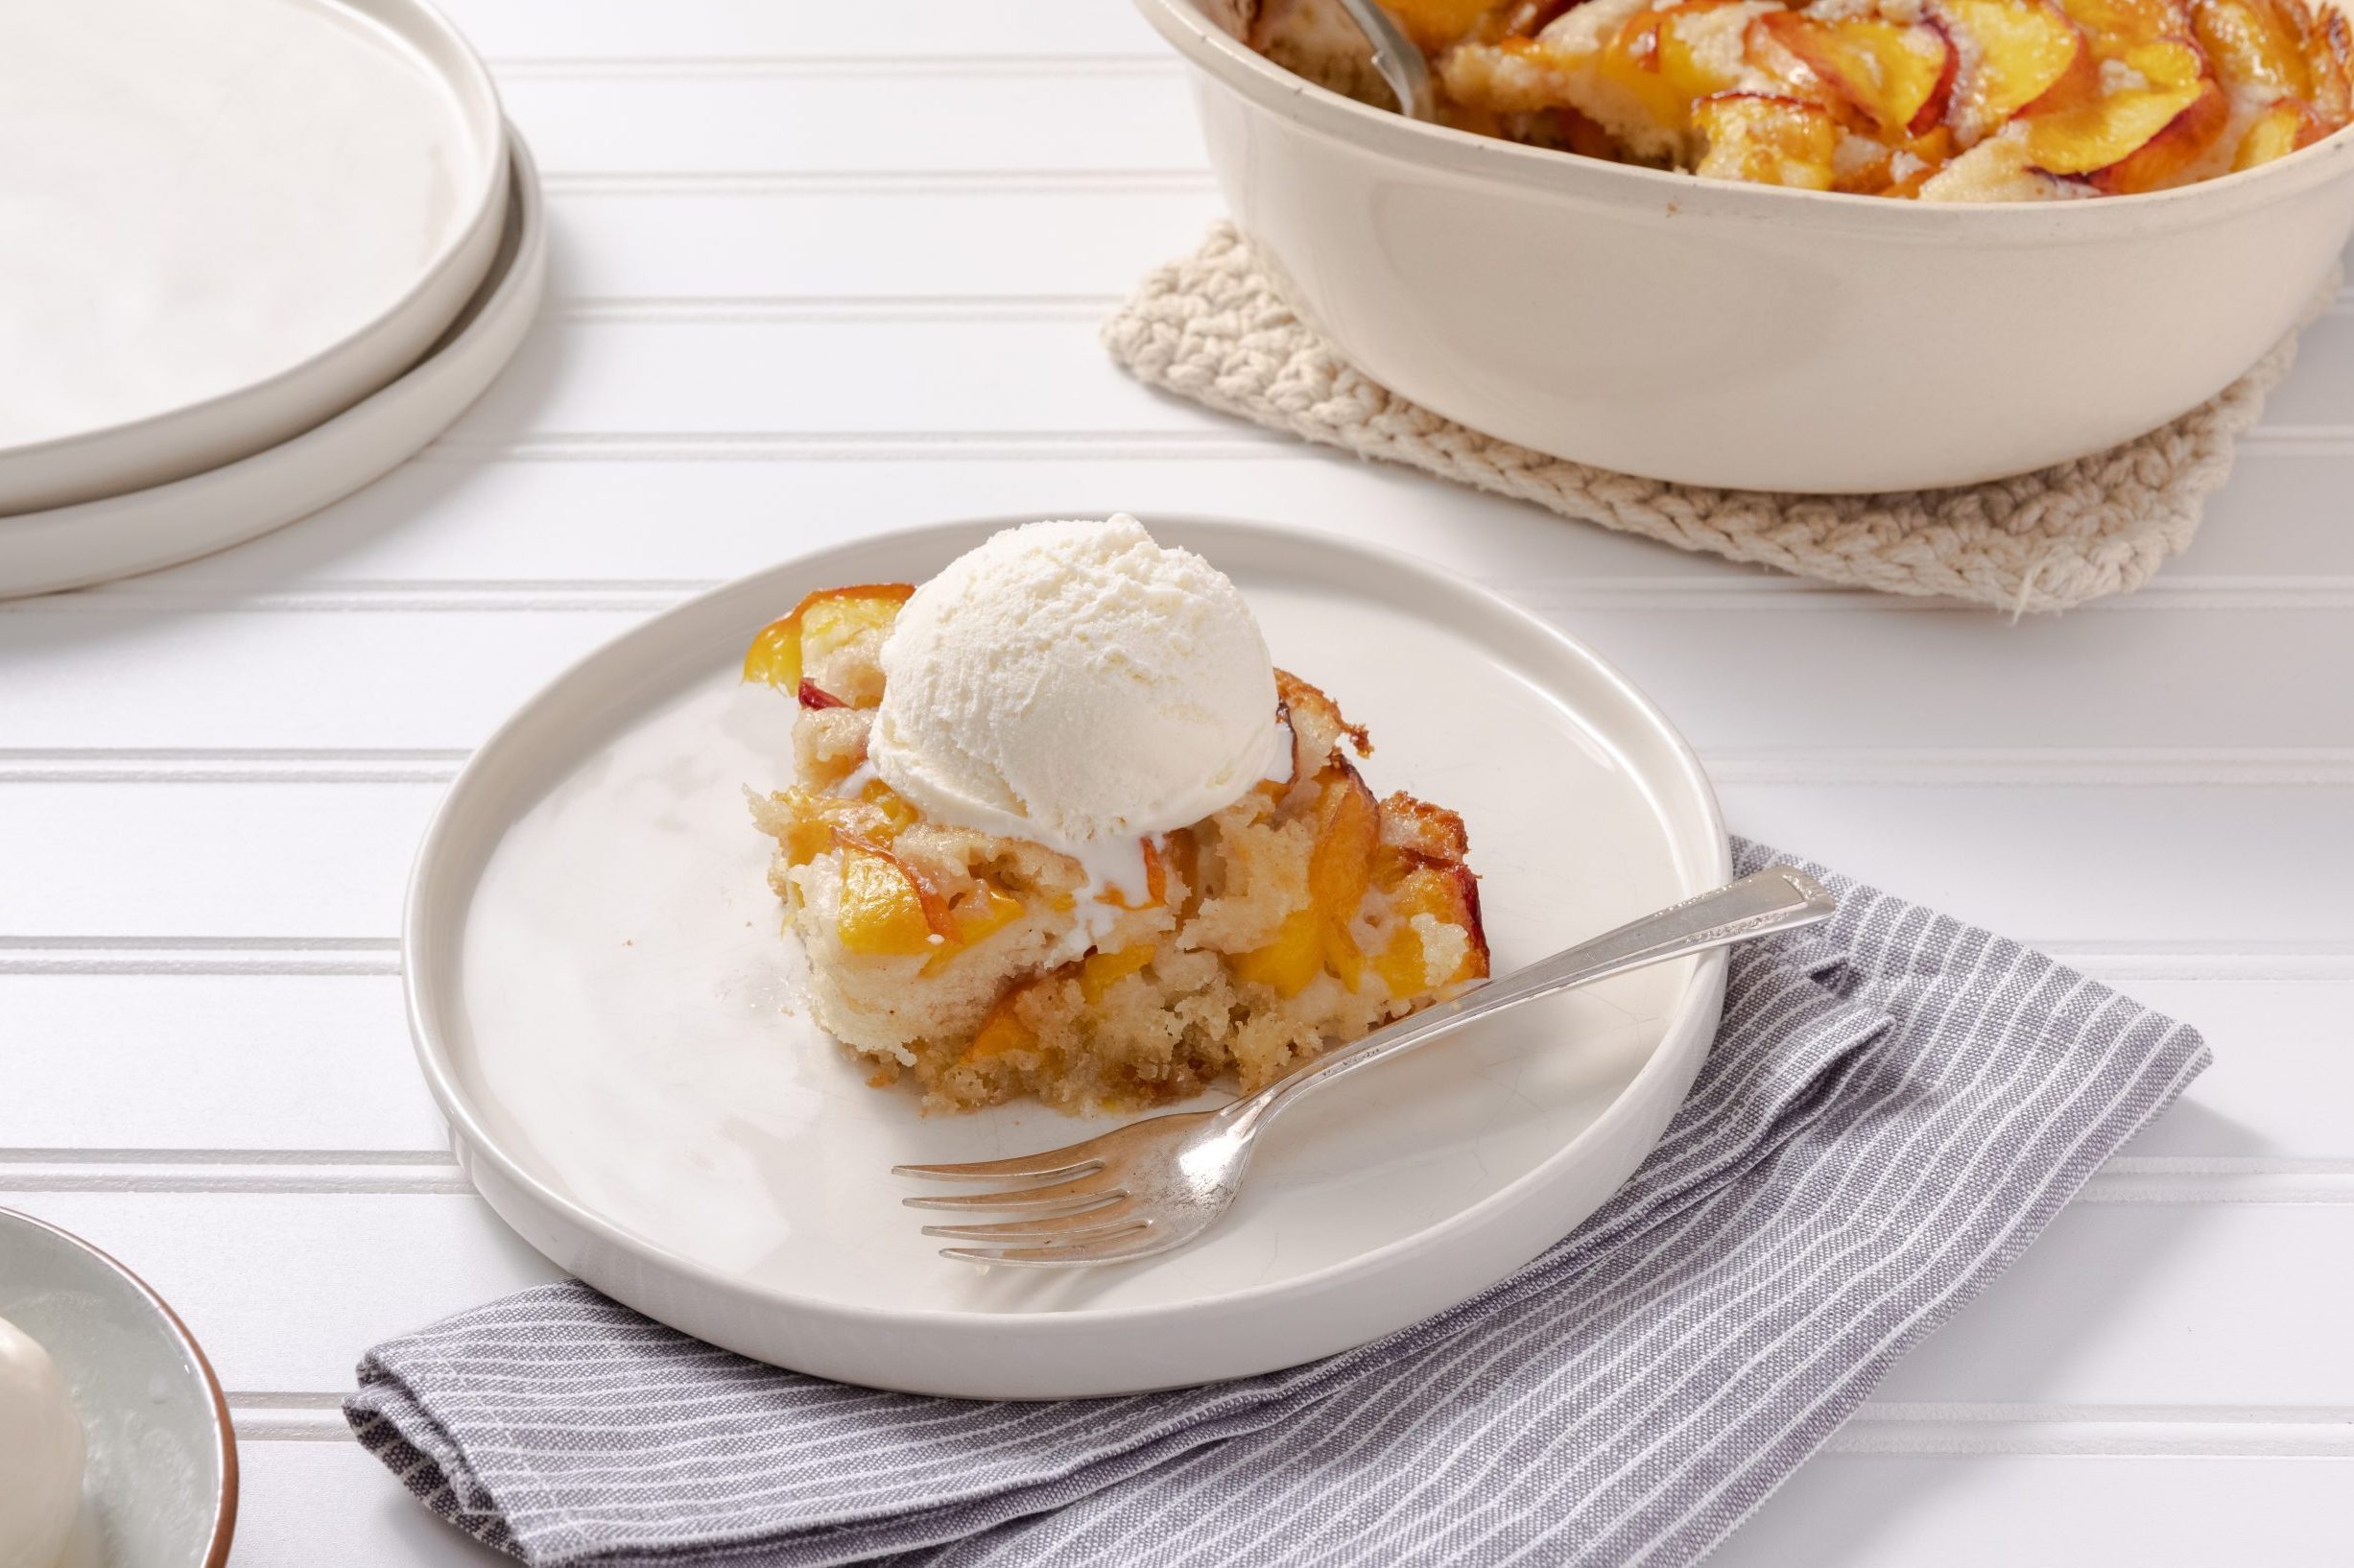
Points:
[1157,1183]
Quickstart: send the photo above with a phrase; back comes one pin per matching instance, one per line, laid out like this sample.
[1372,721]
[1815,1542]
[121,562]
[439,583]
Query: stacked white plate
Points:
[252,254]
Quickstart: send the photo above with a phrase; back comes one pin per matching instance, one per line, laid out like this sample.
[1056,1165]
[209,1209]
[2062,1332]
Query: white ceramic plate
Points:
[222,221]
[159,1489]
[71,546]
[606,1009]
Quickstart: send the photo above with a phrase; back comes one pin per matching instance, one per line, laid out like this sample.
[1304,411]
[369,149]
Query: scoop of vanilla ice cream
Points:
[40,1449]
[1073,682]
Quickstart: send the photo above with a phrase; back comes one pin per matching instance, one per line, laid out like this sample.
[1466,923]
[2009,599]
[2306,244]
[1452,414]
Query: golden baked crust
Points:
[1304,915]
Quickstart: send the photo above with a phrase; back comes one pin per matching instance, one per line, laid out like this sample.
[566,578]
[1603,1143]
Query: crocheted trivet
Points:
[1213,328]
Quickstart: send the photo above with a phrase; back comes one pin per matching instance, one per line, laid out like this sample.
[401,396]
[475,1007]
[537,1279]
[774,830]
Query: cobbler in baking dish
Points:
[1939,100]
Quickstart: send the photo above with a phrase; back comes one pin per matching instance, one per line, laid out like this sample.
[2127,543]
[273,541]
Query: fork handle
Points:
[1778,899]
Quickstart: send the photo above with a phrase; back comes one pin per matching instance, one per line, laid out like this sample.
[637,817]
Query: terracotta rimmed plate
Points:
[604,1005]
[226,223]
[69,547]
[161,1485]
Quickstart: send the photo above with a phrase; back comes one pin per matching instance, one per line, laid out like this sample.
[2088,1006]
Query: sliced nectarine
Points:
[2166,156]
[1434,24]
[1894,76]
[976,915]
[1290,960]
[1001,1031]
[1582,135]
[1341,863]
[2105,131]
[2253,44]
[882,911]
[2151,42]
[2275,134]
[2329,44]
[983,912]
[809,832]
[1766,140]
[818,624]
[2116,25]
[1919,161]
[1098,971]
[2020,49]
[1659,58]
[1448,893]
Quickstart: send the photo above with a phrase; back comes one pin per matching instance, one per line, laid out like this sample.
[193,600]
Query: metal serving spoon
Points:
[1157,1183]
[1395,55]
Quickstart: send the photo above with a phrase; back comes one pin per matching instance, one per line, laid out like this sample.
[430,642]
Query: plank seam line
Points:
[2222,960]
[190,956]
[2326,1183]
[221,1154]
[1959,1411]
[696,68]
[317,1181]
[2326,1191]
[1736,593]
[1989,767]
[820,444]
[221,944]
[862,446]
[2066,949]
[2316,440]
[437,1158]
[748,309]
[1876,1428]
[1189,181]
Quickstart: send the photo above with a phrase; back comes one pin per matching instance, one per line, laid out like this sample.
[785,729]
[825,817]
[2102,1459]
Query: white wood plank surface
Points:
[798,385]
[656,251]
[629,32]
[1026,118]
[111,1066]
[286,1288]
[315,1501]
[436,668]
[824,269]
[459,519]
[2135,1304]
[1943,1511]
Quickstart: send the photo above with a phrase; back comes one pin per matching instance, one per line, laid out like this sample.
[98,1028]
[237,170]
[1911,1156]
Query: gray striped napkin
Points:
[1896,1105]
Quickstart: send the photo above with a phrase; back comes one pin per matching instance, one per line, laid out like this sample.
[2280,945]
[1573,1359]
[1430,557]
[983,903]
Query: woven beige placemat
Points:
[1213,328]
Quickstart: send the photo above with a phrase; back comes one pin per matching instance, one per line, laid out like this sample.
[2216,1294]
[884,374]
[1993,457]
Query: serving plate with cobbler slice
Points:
[609,1011]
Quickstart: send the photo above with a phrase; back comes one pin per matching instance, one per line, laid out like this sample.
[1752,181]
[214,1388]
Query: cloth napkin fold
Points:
[1896,1106]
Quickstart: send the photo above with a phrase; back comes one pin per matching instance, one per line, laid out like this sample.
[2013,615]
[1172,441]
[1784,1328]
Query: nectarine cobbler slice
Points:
[1944,100]
[1304,915]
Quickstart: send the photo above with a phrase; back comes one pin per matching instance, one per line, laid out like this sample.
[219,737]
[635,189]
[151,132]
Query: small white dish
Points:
[159,1489]
[604,1005]
[224,223]
[1712,332]
[69,547]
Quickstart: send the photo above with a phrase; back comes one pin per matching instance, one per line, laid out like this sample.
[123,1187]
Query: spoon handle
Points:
[1397,59]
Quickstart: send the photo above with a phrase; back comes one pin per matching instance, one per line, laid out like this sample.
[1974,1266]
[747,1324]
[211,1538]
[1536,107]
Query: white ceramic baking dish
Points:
[1751,336]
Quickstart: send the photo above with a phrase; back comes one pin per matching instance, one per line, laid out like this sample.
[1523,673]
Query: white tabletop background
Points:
[821,270]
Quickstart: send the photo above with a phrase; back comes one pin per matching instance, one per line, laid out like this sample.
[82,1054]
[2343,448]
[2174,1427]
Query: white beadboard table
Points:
[825,268]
